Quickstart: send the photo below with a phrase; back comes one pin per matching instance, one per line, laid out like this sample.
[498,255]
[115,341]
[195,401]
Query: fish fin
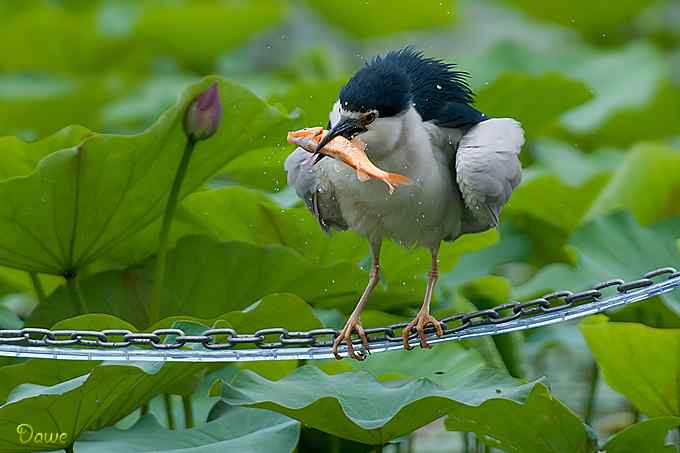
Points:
[362,175]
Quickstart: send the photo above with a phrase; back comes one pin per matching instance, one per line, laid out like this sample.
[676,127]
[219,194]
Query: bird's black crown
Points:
[391,83]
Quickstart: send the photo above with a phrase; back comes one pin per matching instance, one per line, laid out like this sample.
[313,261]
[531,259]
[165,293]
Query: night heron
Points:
[416,118]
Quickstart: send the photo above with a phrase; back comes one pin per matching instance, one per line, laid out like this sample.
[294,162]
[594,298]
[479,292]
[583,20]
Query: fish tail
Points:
[396,180]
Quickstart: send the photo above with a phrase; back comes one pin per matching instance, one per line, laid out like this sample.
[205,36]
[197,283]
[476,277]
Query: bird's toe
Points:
[421,321]
[345,336]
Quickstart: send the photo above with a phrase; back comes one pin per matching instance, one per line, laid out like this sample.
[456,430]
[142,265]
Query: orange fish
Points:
[350,152]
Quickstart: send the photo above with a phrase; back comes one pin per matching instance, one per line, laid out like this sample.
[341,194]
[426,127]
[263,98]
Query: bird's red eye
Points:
[369,118]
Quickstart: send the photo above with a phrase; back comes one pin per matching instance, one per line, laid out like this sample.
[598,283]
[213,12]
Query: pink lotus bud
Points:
[204,114]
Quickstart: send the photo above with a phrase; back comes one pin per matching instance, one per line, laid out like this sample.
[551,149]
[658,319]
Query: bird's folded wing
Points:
[316,191]
[488,169]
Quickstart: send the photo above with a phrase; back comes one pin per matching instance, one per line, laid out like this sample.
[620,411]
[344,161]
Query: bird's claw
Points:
[346,336]
[420,322]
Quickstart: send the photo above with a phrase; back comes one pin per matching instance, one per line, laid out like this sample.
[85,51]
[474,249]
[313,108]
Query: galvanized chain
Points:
[226,344]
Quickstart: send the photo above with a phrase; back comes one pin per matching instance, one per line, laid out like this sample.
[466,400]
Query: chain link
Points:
[279,337]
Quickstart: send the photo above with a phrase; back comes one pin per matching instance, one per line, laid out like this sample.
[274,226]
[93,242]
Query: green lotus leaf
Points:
[52,372]
[260,169]
[239,429]
[88,401]
[446,364]
[82,201]
[648,436]
[20,158]
[548,199]
[205,30]
[540,423]
[314,98]
[127,36]
[572,166]
[636,123]
[488,292]
[593,19]
[370,19]
[647,184]
[124,296]
[356,406]
[641,362]
[628,90]
[558,94]
[615,246]
[238,214]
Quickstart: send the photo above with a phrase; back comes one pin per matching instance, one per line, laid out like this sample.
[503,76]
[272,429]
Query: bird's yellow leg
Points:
[423,318]
[353,324]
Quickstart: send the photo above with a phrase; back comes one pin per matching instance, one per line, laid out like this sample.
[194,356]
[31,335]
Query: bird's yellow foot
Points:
[353,325]
[420,322]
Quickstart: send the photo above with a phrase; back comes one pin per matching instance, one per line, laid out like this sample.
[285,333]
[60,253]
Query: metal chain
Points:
[278,343]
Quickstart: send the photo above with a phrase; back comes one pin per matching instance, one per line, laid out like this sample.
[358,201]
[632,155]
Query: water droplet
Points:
[439,87]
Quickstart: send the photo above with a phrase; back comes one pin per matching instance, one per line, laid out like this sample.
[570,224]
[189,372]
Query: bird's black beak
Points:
[346,127]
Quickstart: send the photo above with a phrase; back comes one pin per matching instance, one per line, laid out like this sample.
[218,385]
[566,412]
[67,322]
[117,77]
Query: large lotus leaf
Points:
[513,246]
[647,184]
[446,364]
[641,362]
[488,292]
[143,103]
[276,310]
[127,36]
[369,19]
[240,429]
[261,169]
[89,401]
[36,106]
[648,436]
[54,39]
[638,123]
[203,31]
[20,158]
[198,290]
[16,281]
[238,214]
[571,165]
[540,424]
[313,98]
[594,19]
[52,372]
[611,247]
[220,277]
[557,93]
[625,106]
[81,201]
[356,406]
[629,89]
[653,312]
[553,202]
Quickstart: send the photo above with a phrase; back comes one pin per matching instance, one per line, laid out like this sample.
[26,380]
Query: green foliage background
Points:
[92,95]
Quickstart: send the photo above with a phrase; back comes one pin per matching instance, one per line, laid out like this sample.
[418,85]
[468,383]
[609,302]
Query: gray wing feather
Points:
[488,169]
[314,189]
